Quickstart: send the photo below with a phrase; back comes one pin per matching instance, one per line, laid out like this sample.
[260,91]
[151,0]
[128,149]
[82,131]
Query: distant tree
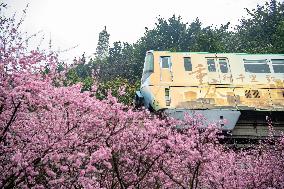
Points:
[167,35]
[103,45]
[175,35]
[279,38]
[122,61]
[261,32]
[210,39]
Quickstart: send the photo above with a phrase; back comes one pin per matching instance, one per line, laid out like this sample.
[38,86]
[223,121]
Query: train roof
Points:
[269,54]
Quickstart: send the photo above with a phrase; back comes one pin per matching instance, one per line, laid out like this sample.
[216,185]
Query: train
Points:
[243,93]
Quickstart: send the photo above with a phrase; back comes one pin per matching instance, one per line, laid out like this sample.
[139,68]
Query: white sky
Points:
[73,22]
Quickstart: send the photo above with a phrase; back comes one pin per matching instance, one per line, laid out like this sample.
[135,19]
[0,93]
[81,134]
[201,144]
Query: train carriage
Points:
[237,90]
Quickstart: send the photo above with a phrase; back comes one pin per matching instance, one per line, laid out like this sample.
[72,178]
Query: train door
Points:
[166,74]
[219,71]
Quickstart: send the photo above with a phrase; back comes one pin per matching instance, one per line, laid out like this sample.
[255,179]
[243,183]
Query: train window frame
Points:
[222,68]
[211,67]
[169,64]
[278,67]
[254,66]
[187,65]
[147,71]
[149,63]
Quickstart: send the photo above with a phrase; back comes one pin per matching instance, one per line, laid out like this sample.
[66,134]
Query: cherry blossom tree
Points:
[53,136]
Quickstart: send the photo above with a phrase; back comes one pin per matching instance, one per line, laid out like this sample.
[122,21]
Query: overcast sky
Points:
[73,22]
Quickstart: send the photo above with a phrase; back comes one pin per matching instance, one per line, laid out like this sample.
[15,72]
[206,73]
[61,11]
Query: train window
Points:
[165,62]
[149,63]
[187,64]
[256,66]
[211,65]
[148,67]
[223,65]
[278,65]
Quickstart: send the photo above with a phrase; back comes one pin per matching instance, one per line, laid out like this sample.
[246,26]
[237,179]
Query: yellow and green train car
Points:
[243,89]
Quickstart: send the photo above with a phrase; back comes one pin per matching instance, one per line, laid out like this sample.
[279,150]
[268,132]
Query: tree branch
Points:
[12,119]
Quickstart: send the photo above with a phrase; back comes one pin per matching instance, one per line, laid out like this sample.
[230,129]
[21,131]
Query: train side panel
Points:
[222,86]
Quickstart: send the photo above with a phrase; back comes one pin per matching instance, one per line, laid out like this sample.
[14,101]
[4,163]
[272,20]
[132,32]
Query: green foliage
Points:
[72,77]
[167,35]
[121,63]
[261,32]
[87,83]
[83,70]
[120,88]
[175,35]
[279,37]
[211,39]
